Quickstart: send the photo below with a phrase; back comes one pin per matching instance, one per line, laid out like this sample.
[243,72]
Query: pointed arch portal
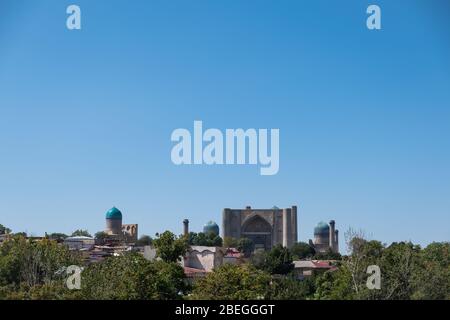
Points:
[259,231]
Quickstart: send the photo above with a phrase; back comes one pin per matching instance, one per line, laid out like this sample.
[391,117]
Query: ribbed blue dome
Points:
[211,227]
[322,228]
[114,214]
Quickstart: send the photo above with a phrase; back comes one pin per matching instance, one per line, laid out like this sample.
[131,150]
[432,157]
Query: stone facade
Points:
[78,243]
[113,226]
[204,258]
[130,232]
[265,227]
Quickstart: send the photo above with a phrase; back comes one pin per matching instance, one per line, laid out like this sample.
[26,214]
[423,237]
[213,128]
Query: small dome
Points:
[322,228]
[211,227]
[114,214]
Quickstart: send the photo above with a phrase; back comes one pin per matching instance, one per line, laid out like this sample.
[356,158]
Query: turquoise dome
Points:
[211,227]
[114,214]
[322,228]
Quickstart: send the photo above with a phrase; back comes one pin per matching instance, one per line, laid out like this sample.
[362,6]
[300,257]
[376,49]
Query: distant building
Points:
[265,227]
[211,228]
[307,268]
[326,238]
[115,228]
[79,243]
[98,253]
[234,256]
[204,258]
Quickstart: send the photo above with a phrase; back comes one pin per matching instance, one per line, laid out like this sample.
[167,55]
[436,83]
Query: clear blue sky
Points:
[364,116]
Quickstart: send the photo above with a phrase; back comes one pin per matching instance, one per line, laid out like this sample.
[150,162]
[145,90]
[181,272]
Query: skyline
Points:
[86,116]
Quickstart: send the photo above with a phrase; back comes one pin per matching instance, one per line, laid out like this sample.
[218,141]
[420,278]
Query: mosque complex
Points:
[266,228]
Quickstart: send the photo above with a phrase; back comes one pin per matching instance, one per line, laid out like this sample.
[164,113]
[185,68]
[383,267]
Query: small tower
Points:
[336,242]
[332,236]
[186,227]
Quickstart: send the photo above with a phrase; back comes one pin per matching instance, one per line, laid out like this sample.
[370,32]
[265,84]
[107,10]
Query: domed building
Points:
[211,227]
[113,221]
[115,228]
[325,237]
[322,229]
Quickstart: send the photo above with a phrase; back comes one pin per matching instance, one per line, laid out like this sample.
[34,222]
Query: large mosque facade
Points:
[265,227]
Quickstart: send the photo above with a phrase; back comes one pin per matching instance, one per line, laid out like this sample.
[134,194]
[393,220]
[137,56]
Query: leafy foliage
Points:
[204,239]
[232,282]
[101,236]
[328,255]
[229,242]
[131,277]
[28,266]
[246,246]
[302,250]
[144,240]
[81,233]
[407,272]
[245,282]
[57,236]
[4,230]
[170,248]
[35,269]
[290,288]
[276,261]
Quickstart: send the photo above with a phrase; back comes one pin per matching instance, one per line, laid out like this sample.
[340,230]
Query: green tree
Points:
[407,272]
[101,236]
[290,288]
[4,230]
[349,281]
[276,261]
[57,236]
[132,277]
[81,233]
[399,264]
[328,255]
[203,239]
[246,246]
[26,265]
[334,285]
[170,248]
[432,279]
[144,240]
[302,250]
[233,282]
[229,242]
[21,234]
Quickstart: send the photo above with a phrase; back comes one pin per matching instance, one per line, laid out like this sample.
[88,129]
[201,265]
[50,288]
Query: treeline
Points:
[37,270]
